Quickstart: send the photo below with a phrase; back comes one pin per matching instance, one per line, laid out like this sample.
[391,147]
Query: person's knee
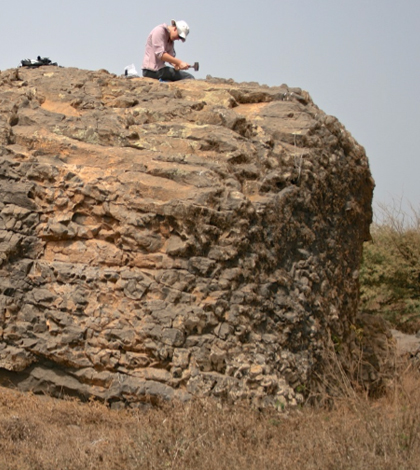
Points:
[169,74]
[186,76]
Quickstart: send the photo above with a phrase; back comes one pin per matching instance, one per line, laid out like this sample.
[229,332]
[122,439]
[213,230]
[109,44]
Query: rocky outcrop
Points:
[175,240]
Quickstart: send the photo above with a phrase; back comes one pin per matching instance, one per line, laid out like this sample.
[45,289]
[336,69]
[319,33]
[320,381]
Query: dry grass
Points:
[39,433]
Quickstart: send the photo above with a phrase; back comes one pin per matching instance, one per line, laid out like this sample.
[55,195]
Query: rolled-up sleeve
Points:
[157,44]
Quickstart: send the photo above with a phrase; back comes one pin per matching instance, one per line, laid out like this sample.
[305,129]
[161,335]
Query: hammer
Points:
[196,66]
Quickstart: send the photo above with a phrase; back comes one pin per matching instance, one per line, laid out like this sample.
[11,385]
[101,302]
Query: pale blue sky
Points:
[359,59]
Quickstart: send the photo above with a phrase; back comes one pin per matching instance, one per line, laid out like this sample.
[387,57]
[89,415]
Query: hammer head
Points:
[196,66]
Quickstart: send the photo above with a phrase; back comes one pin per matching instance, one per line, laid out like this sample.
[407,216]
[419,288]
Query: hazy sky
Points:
[358,59]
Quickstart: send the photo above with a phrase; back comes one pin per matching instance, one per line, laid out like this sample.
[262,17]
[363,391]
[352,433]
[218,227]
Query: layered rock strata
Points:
[200,238]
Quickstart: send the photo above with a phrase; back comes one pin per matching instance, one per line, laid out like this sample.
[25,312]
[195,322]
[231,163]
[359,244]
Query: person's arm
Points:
[177,63]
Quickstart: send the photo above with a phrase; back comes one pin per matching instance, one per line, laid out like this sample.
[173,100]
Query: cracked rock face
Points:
[200,238]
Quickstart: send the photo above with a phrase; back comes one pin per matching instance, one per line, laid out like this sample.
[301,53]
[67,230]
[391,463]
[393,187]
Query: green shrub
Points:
[390,273]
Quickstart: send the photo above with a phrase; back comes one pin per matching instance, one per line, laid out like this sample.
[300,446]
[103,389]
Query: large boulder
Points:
[199,238]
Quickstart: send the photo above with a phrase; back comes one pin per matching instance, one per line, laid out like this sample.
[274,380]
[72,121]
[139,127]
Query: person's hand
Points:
[182,66]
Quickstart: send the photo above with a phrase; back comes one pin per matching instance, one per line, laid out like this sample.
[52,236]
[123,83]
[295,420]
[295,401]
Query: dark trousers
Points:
[167,74]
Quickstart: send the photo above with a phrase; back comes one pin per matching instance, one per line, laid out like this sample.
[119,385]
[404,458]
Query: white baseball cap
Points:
[182,28]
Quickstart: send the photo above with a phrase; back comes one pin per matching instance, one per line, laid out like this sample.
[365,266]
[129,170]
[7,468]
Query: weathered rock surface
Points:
[175,240]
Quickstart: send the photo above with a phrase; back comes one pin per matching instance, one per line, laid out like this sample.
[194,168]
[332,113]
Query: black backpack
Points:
[37,63]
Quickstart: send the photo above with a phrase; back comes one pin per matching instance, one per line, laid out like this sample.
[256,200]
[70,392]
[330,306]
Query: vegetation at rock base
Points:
[357,433]
[390,274]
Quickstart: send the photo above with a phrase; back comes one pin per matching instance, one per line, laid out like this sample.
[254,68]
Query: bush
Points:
[390,274]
